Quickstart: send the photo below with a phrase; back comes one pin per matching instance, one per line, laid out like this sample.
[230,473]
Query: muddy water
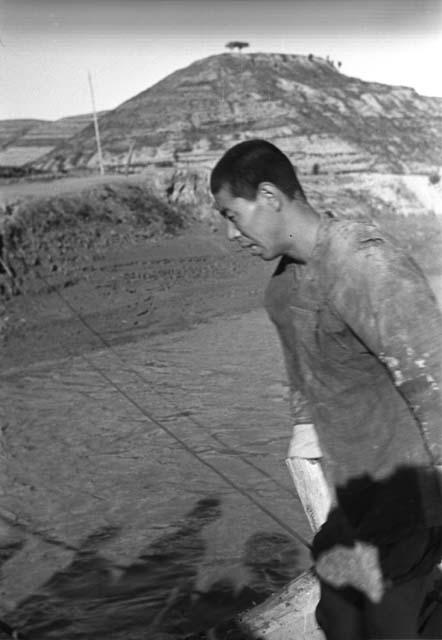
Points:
[150,484]
[146,489]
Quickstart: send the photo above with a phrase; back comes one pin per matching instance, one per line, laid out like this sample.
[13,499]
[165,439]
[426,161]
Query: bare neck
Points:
[302,227]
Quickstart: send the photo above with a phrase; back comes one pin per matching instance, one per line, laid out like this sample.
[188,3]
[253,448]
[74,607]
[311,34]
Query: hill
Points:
[24,141]
[12,130]
[318,115]
[363,149]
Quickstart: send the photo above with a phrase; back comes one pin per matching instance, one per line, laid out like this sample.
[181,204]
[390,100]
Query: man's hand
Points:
[343,560]
[357,566]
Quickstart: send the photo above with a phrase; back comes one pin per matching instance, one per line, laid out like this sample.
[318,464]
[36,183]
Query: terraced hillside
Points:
[25,141]
[318,115]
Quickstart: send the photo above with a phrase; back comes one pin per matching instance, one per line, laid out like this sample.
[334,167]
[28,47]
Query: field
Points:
[145,418]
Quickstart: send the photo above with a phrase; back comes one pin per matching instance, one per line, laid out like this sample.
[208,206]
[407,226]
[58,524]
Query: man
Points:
[361,334]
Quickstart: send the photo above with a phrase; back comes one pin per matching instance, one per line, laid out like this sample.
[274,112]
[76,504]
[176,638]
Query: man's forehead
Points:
[223,197]
[225,192]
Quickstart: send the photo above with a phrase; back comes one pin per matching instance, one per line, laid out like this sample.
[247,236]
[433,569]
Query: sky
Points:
[47,47]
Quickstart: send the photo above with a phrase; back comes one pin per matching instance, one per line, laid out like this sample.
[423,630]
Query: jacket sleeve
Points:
[384,298]
[299,406]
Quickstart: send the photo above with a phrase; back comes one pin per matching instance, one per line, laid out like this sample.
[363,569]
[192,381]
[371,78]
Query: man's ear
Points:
[269,193]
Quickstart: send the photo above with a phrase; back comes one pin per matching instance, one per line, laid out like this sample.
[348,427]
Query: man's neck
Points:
[302,228]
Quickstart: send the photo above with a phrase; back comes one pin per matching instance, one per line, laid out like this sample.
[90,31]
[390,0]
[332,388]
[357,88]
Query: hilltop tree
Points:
[237,44]
[434,178]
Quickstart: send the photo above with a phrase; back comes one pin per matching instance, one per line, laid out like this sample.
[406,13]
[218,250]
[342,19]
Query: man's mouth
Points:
[248,245]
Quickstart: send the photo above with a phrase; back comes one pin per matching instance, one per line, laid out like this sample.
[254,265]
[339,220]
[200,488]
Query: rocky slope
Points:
[318,115]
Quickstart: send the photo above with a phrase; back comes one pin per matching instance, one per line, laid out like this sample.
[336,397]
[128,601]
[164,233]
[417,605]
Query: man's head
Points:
[256,190]
[246,165]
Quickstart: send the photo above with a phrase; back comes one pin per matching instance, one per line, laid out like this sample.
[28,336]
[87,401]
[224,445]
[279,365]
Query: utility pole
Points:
[97,131]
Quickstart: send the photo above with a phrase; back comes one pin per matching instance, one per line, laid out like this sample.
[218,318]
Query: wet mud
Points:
[144,430]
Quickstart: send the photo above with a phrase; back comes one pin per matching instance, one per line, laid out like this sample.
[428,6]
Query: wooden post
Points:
[129,157]
[304,464]
[291,612]
[287,615]
[97,130]
[312,489]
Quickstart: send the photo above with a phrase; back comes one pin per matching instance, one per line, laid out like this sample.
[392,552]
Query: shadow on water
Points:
[156,597]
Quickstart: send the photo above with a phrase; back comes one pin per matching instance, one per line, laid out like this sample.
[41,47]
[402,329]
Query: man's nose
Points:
[232,231]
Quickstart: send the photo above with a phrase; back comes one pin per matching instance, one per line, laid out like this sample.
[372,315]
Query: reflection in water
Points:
[155,597]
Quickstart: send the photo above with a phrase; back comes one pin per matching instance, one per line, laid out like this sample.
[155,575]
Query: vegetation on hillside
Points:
[58,234]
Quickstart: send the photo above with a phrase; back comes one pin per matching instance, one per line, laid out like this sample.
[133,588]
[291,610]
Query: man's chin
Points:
[267,254]
[267,257]
[261,252]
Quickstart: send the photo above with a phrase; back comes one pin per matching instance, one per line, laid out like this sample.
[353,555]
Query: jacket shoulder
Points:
[352,243]
[361,256]
[356,234]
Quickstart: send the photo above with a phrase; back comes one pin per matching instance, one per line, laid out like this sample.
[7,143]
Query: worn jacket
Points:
[361,333]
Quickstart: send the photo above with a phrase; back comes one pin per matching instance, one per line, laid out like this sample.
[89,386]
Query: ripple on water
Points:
[176,466]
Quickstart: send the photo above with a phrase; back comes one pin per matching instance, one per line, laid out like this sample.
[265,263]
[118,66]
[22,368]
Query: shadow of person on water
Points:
[271,560]
[156,596]
[92,597]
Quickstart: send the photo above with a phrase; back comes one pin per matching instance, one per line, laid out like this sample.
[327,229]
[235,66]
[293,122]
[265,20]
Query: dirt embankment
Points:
[142,287]
[130,261]
[112,256]
[58,234]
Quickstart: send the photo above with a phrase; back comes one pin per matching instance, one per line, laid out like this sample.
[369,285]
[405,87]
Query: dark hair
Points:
[244,166]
